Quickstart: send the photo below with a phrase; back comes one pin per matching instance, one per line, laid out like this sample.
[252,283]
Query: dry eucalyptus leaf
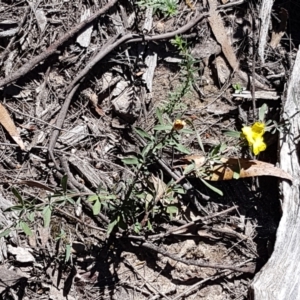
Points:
[9,125]
[37,184]
[244,167]
[159,186]
[218,29]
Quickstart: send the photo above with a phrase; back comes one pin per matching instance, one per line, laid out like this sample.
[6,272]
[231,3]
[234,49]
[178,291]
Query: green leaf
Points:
[171,209]
[149,225]
[218,149]
[60,200]
[270,122]
[189,168]
[131,160]
[68,252]
[182,149]
[111,226]
[31,216]
[262,112]
[179,190]
[64,182]
[231,133]
[14,208]
[236,173]
[107,197]
[159,115]
[47,215]
[223,146]
[146,149]
[163,127]
[24,226]
[5,232]
[214,189]
[92,198]
[96,207]
[187,131]
[17,195]
[137,227]
[158,147]
[142,133]
[70,200]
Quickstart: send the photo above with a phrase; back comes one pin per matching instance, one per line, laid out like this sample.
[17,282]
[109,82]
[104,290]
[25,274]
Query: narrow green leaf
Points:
[182,149]
[61,200]
[14,208]
[189,168]
[96,207]
[187,131]
[137,227]
[47,215]
[179,190]
[149,225]
[31,216]
[200,142]
[111,226]
[131,160]
[171,209]
[146,149]
[107,197]
[236,173]
[270,122]
[262,112]
[231,133]
[142,133]
[70,200]
[5,232]
[223,146]
[159,115]
[92,198]
[218,149]
[214,189]
[68,252]
[158,147]
[24,226]
[64,182]
[17,195]
[163,127]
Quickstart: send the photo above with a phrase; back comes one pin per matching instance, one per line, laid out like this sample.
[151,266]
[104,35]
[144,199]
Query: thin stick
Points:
[191,262]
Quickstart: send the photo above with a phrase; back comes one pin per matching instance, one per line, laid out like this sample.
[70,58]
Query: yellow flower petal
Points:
[247,131]
[254,136]
[178,124]
[259,146]
[258,129]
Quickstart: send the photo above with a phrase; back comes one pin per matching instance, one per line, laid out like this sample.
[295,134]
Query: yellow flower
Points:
[178,125]
[254,136]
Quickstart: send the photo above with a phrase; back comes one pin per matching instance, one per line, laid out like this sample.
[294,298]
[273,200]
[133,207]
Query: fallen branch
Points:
[192,262]
[192,223]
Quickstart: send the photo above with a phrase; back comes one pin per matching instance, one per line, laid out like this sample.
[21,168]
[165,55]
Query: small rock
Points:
[22,254]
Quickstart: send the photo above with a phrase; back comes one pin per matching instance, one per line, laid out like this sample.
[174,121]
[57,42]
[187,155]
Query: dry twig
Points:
[191,262]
